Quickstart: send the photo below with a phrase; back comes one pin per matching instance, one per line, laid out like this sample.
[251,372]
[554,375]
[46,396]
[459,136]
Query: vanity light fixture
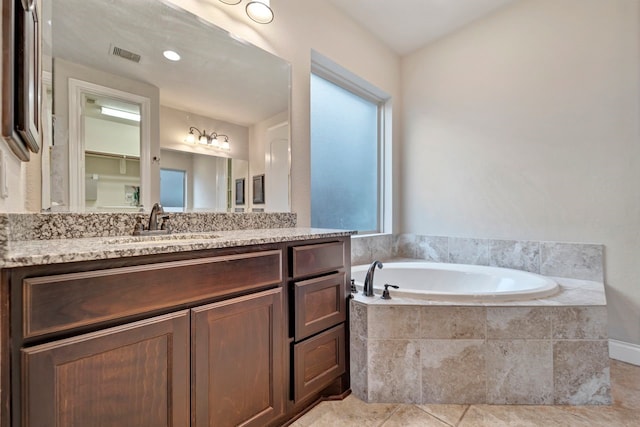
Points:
[208,139]
[120,114]
[258,10]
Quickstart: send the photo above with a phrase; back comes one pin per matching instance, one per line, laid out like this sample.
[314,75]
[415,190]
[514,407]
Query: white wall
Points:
[525,125]
[298,27]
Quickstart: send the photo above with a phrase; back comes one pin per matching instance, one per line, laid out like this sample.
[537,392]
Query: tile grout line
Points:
[435,416]
[396,409]
[464,413]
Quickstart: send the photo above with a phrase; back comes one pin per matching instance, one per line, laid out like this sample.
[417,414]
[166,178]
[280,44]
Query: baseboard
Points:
[624,352]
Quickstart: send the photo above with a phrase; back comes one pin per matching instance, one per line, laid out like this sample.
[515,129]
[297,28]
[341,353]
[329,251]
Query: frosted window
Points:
[172,185]
[344,158]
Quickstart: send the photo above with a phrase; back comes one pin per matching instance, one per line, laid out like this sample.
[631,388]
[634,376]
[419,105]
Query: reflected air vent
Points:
[123,53]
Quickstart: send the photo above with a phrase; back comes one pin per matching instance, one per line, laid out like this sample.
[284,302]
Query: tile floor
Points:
[625,411]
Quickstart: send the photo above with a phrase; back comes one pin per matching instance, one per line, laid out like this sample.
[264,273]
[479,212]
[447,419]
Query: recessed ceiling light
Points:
[171,55]
[120,113]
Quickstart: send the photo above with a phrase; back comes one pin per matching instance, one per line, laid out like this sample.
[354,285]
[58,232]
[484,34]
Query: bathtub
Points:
[457,282]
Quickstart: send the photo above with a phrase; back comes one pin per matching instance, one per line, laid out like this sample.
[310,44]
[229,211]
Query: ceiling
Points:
[218,76]
[407,25]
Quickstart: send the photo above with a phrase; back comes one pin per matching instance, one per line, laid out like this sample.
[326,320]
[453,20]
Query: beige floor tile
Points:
[608,416]
[519,415]
[625,385]
[450,414]
[412,416]
[349,412]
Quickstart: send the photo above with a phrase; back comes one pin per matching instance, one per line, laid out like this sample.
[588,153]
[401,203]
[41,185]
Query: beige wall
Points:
[525,125]
[298,27]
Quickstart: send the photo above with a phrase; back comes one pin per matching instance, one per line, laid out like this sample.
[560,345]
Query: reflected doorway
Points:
[109,148]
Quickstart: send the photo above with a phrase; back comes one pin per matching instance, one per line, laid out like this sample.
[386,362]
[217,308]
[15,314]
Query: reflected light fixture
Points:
[171,55]
[120,114]
[258,10]
[208,139]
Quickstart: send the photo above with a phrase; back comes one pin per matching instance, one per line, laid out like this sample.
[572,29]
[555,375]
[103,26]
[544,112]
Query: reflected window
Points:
[172,189]
[345,158]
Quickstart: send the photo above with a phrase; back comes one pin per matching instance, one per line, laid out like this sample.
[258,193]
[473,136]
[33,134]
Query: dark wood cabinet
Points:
[318,276]
[132,375]
[237,361]
[248,336]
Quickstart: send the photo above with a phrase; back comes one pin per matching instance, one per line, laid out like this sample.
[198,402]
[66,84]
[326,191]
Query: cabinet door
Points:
[237,361]
[133,375]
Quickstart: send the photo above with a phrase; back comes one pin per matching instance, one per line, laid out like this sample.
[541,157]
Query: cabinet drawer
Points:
[316,259]
[66,301]
[320,303]
[318,361]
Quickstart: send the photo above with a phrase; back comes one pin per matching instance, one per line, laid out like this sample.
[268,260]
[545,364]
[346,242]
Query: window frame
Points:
[324,68]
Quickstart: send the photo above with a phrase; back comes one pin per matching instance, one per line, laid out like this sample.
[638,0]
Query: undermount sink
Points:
[161,238]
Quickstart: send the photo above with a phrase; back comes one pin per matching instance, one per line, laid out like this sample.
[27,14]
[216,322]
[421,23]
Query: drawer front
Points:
[316,259]
[66,301]
[318,361]
[320,304]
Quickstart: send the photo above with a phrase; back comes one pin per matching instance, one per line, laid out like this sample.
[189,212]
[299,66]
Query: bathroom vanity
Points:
[240,331]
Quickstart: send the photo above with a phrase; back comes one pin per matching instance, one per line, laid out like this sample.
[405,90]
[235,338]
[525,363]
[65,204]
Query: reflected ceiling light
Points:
[171,55]
[120,114]
[260,11]
[208,139]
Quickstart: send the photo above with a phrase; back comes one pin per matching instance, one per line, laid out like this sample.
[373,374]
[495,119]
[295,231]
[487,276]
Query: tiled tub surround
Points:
[545,351]
[574,260]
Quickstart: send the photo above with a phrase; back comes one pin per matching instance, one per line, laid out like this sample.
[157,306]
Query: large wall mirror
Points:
[151,103]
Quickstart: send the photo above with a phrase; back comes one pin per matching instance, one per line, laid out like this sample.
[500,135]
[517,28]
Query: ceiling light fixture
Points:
[171,55]
[120,114]
[258,10]
[208,139]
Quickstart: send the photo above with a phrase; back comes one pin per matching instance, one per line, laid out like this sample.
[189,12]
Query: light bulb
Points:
[260,11]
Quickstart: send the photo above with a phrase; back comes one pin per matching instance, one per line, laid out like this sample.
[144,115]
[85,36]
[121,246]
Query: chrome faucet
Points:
[368,280]
[153,217]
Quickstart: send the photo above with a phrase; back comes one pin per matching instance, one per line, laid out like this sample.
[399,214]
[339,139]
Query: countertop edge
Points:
[58,251]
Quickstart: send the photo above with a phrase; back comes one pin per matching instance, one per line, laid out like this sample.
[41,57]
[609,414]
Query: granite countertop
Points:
[39,252]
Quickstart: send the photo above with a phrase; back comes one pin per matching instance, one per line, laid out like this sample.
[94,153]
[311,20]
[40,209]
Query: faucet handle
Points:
[385,293]
[166,225]
[354,290]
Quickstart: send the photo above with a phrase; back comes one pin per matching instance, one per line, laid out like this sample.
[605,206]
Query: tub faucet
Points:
[368,280]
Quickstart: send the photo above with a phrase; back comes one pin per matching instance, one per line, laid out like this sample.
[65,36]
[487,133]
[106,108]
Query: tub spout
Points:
[368,280]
